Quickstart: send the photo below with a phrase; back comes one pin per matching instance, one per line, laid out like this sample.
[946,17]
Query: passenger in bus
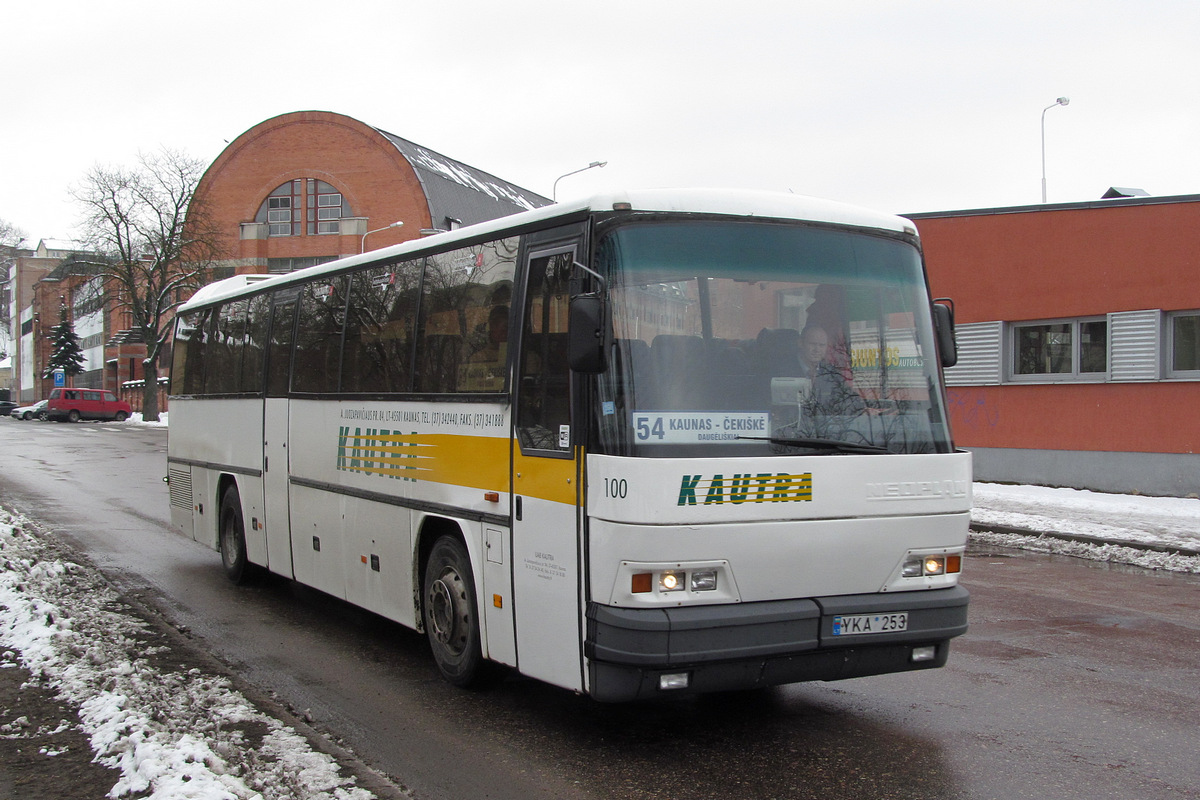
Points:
[832,392]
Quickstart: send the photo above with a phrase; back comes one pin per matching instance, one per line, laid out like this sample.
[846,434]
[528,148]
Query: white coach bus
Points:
[653,443]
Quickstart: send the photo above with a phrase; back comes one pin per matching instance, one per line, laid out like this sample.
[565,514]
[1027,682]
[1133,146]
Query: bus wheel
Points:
[233,538]
[451,613]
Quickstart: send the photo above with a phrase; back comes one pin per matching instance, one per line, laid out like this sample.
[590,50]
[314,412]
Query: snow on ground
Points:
[136,419]
[174,735]
[1152,532]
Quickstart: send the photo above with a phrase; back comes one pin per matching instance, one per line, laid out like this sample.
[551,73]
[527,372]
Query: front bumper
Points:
[727,647]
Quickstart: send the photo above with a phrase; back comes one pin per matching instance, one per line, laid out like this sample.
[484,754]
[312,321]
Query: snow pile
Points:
[1152,532]
[174,735]
[1114,553]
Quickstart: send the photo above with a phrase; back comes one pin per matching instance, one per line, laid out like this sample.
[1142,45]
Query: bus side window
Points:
[256,343]
[379,328]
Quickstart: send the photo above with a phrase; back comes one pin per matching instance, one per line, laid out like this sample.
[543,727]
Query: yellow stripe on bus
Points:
[478,462]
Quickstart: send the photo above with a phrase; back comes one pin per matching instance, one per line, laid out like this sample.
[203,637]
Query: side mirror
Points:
[943,329]
[585,348]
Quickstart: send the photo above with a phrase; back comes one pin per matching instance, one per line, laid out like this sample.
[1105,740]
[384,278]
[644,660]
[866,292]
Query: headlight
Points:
[672,581]
[924,566]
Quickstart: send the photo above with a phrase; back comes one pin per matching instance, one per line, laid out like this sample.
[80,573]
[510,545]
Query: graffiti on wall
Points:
[970,408]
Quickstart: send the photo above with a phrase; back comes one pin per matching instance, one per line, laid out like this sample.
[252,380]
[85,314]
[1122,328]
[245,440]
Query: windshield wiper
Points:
[828,445]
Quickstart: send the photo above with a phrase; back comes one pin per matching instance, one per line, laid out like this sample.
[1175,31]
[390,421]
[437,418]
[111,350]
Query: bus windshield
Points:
[758,338]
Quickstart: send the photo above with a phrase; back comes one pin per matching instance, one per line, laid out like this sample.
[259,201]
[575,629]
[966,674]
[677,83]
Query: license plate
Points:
[856,624]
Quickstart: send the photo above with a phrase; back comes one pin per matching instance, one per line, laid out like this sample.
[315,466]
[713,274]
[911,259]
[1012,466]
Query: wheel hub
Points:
[445,610]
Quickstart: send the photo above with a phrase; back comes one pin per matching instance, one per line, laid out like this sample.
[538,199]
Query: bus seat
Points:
[777,352]
[678,361]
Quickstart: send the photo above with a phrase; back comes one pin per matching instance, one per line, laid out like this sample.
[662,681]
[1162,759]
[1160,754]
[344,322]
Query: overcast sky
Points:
[900,105]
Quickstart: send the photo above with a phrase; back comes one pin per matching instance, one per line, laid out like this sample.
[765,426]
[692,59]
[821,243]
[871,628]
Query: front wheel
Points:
[73,415]
[451,613]
[233,538]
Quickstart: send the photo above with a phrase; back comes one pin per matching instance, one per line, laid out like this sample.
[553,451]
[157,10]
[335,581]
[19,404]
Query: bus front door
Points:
[545,482]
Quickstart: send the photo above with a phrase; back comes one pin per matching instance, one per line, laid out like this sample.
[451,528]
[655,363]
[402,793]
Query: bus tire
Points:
[232,538]
[452,614]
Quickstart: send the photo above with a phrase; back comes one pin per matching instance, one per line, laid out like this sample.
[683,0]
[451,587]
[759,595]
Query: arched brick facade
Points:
[383,179]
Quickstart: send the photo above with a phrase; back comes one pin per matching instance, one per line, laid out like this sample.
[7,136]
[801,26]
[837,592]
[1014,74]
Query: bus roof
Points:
[732,202]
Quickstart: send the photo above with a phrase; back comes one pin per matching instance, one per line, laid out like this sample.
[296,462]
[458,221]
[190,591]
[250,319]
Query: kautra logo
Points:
[373,451]
[745,487]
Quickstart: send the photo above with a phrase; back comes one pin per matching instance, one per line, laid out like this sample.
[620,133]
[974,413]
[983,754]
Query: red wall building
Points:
[1079,339]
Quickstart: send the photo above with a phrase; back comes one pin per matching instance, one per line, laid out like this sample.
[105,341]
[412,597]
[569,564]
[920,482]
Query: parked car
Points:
[77,404]
[35,411]
[6,407]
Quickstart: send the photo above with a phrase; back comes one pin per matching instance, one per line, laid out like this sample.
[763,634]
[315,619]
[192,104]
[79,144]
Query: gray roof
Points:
[461,193]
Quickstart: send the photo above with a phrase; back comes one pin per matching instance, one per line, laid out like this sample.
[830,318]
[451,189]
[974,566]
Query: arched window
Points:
[304,206]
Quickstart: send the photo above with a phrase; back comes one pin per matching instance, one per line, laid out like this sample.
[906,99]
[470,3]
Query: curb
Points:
[1085,539]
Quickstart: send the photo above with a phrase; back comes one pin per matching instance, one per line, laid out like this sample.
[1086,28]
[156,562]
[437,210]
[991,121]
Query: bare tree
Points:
[156,243]
[10,235]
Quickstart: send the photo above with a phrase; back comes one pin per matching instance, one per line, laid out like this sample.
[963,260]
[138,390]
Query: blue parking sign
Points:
[60,378]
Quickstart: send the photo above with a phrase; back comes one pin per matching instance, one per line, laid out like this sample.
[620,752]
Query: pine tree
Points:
[66,354]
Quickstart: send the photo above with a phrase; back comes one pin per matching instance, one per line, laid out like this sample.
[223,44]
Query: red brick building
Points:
[1079,340]
[312,186]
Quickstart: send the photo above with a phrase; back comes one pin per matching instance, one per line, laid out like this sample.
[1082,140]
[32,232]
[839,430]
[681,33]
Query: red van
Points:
[77,404]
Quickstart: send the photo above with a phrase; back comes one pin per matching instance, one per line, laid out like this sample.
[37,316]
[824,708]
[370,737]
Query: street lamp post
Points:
[593,165]
[362,248]
[1062,101]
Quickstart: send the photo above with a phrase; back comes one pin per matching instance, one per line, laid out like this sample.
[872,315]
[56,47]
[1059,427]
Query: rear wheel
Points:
[233,538]
[451,613]
[121,416]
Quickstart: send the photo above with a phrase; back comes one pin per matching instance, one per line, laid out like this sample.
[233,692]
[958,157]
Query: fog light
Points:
[704,581]
[935,566]
[675,680]
[671,581]
[924,653]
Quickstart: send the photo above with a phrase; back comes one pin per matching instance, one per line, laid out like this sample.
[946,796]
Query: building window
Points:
[326,207]
[329,212]
[291,204]
[1060,351]
[284,265]
[1184,345]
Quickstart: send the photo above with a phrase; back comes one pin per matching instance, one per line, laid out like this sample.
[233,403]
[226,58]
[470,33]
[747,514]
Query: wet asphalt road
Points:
[1076,680]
